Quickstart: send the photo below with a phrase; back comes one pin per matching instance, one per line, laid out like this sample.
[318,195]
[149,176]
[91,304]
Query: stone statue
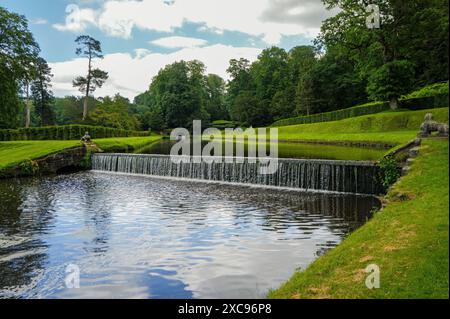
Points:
[429,126]
[86,138]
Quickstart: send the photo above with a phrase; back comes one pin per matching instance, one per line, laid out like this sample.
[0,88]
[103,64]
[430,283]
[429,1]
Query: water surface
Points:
[293,150]
[141,237]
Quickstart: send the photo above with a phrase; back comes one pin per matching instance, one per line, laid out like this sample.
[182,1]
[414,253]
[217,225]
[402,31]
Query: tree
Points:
[270,75]
[240,81]
[114,112]
[391,81]
[178,94]
[18,53]
[302,61]
[91,49]
[246,110]
[215,104]
[41,93]
[414,31]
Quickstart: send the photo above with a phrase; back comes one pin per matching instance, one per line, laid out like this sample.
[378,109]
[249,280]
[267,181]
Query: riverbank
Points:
[390,129]
[408,240]
[14,153]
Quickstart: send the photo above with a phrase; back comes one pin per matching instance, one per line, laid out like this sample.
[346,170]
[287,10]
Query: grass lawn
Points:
[390,127]
[15,152]
[408,240]
[128,144]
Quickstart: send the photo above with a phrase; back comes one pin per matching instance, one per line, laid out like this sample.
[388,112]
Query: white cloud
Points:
[268,19]
[141,53]
[179,42]
[39,21]
[131,75]
[77,20]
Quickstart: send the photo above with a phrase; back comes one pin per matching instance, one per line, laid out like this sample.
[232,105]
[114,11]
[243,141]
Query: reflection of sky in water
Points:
[138,237]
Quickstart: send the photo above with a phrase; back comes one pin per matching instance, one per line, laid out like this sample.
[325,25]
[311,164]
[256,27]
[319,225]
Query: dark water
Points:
[140,237]
[293,150]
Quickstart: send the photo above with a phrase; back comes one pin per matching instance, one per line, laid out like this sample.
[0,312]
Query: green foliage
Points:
[435,89]
[391,81]
[370,108]
[390,171]
[41,94]
[91,49]
[67,132]
[179,94]
[18,54]
[29,168]
[114,112]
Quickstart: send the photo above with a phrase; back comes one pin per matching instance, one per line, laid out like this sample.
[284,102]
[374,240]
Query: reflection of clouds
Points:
[138,237]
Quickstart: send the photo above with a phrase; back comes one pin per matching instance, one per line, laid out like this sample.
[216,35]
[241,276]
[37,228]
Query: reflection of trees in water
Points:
[304,211]
[99,220]
[26,212]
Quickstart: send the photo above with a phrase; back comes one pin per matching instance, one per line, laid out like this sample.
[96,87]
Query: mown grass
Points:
[408,240]
[128,144]
[15,152]
[12,153]
[389,128]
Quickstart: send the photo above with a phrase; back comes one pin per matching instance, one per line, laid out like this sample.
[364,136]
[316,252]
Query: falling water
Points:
[319,175]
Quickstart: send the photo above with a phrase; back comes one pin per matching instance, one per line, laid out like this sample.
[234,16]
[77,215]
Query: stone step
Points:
[414,152]
[409,161]
[405,170]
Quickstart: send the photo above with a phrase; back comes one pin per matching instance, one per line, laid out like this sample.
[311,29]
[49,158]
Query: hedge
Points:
[66,132]
[423,103]
[367,109]
[414,104]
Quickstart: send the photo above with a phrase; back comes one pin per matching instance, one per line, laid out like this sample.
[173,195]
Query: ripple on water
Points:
[140,237]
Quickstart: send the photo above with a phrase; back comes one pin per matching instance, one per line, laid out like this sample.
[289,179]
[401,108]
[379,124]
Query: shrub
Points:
[430,90]
[67,132]
[366,109]
[390,171]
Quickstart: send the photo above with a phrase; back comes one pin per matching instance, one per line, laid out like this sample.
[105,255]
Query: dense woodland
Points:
[348,64]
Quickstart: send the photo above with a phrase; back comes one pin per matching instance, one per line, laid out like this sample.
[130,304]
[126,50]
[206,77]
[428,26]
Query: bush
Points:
[390,171]
[366,109]
[67,132]
[413,104]
[430,90]
[423,103]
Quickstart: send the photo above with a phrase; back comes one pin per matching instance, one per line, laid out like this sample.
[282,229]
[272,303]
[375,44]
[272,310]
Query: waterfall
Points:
[318,175]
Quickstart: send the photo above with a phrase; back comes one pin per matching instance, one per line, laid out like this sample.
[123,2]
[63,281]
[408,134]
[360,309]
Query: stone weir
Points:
[355,177]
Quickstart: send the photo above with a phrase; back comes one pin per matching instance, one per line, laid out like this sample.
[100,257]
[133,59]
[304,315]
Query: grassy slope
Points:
[13,153]
[408,240]
[125,144]
[388,127]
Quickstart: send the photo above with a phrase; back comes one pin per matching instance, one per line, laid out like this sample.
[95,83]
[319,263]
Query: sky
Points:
[139,37]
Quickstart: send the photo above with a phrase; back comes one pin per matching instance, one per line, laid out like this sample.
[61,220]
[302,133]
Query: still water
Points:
[292,150]
[140,237]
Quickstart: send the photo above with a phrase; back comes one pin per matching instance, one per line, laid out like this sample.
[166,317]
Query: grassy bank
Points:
[125,144]
[385,128]
[15,152]
[408,240]
[12,153]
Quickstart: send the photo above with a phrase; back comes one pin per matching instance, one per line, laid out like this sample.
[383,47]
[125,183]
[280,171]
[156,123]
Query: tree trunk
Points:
[27,108]
[85,108]
[28,114]
[393,103]
[88,88]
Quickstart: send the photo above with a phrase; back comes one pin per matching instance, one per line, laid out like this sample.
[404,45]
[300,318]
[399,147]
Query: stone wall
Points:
[68,160]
